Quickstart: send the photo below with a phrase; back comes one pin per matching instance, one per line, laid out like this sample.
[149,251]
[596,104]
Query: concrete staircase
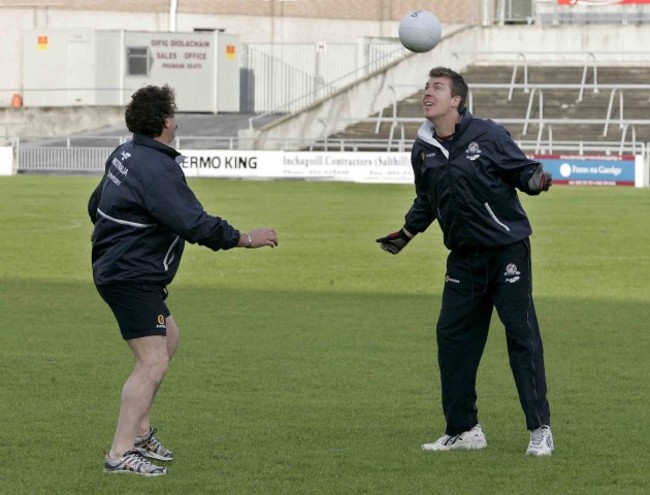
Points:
[561,104]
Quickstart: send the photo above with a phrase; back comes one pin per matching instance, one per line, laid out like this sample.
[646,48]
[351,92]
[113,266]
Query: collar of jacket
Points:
[426,131]
[143,140]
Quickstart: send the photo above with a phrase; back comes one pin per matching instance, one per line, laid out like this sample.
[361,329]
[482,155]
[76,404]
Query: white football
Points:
[419,31]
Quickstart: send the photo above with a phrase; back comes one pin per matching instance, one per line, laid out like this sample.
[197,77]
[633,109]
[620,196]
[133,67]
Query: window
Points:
[137,60]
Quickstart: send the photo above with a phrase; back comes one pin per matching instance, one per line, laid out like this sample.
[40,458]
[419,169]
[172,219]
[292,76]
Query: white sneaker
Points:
[149,446]
[541,442]
[472,439]
[133,462]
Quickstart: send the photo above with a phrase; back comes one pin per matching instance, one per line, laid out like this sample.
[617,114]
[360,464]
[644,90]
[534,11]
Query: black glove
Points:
[540,180]
[395,242]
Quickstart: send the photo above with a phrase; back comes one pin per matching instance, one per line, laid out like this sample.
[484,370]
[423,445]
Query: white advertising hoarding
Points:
[390,168]
[381,167]
[6,160]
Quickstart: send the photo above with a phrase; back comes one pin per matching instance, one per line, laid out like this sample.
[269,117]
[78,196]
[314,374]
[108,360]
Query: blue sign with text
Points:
[590,170]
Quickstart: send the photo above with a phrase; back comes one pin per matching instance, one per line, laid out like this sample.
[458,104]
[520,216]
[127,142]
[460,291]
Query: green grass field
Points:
[311,368]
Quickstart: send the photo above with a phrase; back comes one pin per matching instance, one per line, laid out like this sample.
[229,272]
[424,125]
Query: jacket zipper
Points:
[494,217]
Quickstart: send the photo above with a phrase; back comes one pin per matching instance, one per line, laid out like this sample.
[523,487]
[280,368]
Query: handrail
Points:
[391,88]
[559,86]
[379,122]
[526,86]
[584,76]
[323,122]
[576,55]
[624,146]
[327,89]
[540,116]
[413,120]
[544,123]
[229,139]
[539,138]
[514,75]
[569,121]
[623,135]
[392,132]
[609,110]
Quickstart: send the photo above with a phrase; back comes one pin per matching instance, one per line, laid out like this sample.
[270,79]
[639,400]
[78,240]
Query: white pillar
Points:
[6,160]
[173,10]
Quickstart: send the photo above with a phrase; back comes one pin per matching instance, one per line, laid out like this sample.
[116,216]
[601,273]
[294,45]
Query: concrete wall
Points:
[255,21]
[609,44]
[49,121]
[13,23]
[614,43]
[371,95]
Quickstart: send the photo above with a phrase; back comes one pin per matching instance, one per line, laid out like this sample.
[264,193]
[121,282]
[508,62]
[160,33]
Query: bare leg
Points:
[173,335]
[151,362]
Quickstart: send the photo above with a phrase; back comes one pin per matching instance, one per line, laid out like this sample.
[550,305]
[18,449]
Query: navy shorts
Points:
[139,309]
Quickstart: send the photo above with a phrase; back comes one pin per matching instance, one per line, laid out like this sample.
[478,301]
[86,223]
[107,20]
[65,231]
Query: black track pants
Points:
[476,282]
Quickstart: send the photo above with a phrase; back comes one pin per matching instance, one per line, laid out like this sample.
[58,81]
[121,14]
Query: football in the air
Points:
[419,31]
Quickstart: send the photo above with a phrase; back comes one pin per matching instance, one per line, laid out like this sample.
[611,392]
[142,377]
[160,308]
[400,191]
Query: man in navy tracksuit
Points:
[467,171]
[143,211]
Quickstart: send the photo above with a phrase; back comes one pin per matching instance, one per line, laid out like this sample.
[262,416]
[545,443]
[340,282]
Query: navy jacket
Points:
[143,211]
[470,188]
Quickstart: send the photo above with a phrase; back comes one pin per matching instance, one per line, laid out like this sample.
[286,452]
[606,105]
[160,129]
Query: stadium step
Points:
[558,104]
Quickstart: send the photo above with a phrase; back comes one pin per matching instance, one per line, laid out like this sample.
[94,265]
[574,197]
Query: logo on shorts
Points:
[452,280]
[511,273]
[161,322]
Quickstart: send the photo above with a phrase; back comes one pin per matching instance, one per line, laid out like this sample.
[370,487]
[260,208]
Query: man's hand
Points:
[540,180]
[395,242]
[258,238]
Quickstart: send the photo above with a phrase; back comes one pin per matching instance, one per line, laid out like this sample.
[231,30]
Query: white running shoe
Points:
[132,462]
[149,446]
[541,442]
[472,439]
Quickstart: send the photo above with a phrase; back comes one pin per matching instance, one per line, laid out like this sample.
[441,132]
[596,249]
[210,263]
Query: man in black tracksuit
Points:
[143,211]
[467,171]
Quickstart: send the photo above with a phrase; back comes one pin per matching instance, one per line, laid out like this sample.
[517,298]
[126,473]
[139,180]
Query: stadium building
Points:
[567,78]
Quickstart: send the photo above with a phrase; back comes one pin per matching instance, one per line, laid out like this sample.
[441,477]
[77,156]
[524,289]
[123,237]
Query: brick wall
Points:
[114,5]
[448,11]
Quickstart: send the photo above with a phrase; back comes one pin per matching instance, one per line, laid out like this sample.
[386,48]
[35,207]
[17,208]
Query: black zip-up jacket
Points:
[143,210]
[470,185]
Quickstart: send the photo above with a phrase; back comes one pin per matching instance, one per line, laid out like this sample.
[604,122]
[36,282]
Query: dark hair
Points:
[458,84]
[148,109]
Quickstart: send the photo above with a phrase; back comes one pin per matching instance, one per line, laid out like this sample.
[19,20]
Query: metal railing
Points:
[588,61]
[331,87]
[534,91]
[61,158]
[590,56]
[30,157]
[537,146]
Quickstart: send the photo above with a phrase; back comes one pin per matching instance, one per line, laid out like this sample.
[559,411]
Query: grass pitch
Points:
[311,368]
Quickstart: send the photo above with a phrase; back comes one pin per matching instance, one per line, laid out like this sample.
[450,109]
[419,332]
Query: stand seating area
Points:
[547,105]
